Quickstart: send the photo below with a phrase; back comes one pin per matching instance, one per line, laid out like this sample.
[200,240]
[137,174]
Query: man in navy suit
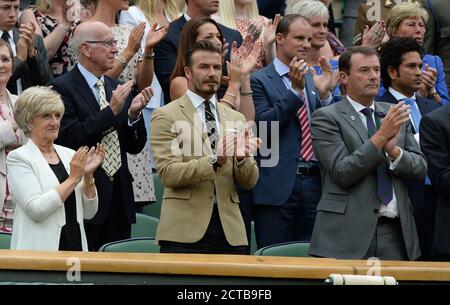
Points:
[100,110]
[401,62]
[166,50]
[285,94]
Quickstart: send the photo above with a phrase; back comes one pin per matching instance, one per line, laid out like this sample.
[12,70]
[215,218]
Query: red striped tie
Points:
[306,151]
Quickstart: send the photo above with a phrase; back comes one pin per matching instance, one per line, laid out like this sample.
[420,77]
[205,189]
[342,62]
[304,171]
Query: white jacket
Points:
[40,213]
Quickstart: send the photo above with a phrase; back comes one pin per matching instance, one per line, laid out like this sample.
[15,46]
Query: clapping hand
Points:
[324,82]
[154,36]
[139,102]
[374,36]
[246,144]
[270,30]
[94,158]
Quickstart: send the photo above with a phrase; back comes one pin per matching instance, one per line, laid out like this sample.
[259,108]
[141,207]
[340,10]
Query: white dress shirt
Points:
[391,209]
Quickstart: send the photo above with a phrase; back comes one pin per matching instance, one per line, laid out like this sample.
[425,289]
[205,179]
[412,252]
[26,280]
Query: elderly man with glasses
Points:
[102,110]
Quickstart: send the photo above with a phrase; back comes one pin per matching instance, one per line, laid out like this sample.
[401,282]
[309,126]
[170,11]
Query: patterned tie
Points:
[112,161]
[306,150]
[384,179]
[211,127]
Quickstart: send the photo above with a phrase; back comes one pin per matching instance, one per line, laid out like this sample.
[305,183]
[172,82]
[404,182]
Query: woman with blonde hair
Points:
[55,21]
[243,16]
[53,186]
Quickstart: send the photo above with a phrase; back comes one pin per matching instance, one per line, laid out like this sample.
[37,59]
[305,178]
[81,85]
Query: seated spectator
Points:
[243,16]
[30,57]
[50,19]
[11,135]
[409,20]
[53,186]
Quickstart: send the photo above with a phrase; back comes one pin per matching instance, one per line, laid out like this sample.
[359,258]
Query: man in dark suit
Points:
[285,95]
[31,66]
[269,8]
[401,62]
[366,151]
[166,50]
[99,109]
[435,143]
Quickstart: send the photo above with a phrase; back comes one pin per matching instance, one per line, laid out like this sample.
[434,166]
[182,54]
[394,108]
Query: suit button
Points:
[376,211]
[211,196]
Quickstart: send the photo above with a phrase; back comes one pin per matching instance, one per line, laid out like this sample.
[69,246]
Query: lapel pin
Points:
[352,117]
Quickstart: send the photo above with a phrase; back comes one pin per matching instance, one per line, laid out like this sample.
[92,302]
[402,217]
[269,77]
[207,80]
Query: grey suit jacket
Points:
[33,71]
[347,213]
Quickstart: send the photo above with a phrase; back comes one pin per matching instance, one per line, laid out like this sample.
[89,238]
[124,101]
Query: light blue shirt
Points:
[91,80]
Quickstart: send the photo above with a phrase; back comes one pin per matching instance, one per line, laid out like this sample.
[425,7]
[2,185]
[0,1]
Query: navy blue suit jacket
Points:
[166,52]
[277,105]
[416,188]
[84,123]
[435,144]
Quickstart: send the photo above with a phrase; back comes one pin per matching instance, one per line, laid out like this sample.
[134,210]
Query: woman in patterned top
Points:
[53,21]
[10,134]
[243,16]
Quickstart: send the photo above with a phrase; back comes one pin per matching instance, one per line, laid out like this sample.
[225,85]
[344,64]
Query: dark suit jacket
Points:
[435,144]
[416,188]
[84,123]
[348,210]
[437,36]
[34,71]
[166,52]
[276,105]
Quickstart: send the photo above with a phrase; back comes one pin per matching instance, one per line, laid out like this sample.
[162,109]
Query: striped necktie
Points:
[112,161]
[306,150]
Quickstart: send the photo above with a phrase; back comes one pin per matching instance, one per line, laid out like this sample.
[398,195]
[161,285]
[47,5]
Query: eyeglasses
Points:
[108,43]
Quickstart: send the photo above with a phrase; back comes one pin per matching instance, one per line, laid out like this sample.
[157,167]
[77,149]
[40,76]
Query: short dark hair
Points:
[202,45]
[391,55]
[345,60]
[286,21]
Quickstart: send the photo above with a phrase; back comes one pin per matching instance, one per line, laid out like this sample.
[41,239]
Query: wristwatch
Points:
[214,161]
[433,93]
[395,153]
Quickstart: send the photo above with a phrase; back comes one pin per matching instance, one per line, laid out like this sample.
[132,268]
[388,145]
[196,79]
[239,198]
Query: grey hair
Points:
[310,9]
[80,35]
[33,102]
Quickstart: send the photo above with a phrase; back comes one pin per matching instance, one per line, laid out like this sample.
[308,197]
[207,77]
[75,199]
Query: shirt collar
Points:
[186,16]
[358,107]
[281,68]
[399,96]
[197,100]
[90,78]
[10,32]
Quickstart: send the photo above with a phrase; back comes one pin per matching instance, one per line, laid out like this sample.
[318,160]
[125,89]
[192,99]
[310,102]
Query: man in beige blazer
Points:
[193,140]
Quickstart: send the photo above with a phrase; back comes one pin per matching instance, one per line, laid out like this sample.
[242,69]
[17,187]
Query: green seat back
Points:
[154,209]
[137,245]
[5,240]
[295,249]
[145,226]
